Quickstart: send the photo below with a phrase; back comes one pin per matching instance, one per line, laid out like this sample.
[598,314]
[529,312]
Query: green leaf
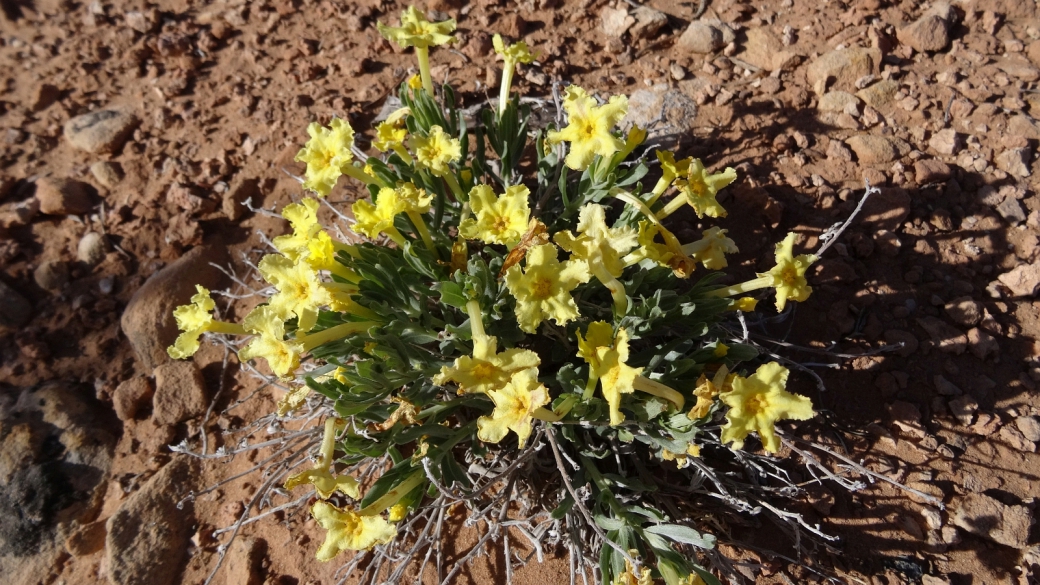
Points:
[683,534]
[451,294]
[608,523]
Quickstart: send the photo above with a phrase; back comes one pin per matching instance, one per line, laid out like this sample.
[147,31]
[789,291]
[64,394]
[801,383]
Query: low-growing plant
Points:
[514,327]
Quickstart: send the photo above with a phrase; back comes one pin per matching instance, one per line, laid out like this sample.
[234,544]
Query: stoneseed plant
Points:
[511,332]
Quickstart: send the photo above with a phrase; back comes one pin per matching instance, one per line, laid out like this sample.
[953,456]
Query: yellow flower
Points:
[648,248]
[757,402]
[682,460]
[347,530]
[415,82]
[486,370]
[300,291]
[282,356]
[398,512]
[787,277]
[597,244]
[436,151]
[293,399]
[518,52]
[320,476]
[193,320]
[327,155]
[303,217]
[712,248]
[670,168]
[707,390]
[700,189]
[499,220]
[543,290]
[388,136]
[515,404]
[745,304]
[628,577]
[373,220]
[602,249]
[324,483]
[789,273]
[589,127]
[416,31]
[606,356]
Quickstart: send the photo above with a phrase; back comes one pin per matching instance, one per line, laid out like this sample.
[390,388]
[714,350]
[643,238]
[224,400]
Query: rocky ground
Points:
[132,134]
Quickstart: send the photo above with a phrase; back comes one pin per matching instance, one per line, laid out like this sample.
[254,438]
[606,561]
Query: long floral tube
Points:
[745,287]
[644,384]
[394,495]
[424,232]
[616,288]
[340,331]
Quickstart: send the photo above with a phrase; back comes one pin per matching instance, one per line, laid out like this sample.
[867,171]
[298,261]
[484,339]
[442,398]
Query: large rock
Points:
[766,51]
[984,516]
[1023,281]
[180,393]
[700,38]
[148,536]
[871,149]
[839,69]
[148,319]
[130,396]
[929,33]
[52,459]
[879,95]
[661,110]
[946,337]
[63,196]
[101,131]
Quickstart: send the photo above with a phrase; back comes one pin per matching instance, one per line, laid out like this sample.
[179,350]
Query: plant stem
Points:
[351,170]
[507,82]
[617,290]
[424,233]
[754,284]
[672,206]
[333,333]
[423,54]
[393,496]
[225,327]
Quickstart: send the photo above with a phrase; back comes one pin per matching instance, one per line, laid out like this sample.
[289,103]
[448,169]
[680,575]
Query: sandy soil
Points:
[223,93]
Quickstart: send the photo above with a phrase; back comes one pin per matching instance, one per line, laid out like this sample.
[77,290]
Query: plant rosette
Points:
[509,288]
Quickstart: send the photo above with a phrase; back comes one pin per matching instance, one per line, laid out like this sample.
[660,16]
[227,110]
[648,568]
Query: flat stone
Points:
[984,516]
[180,393]
[1029,426]
[1014,437]
[108,174]
[837,101]
[881,95]
[841,68]
[931,171]
[945,336]
[649,22]
[63,196]
[19,213]
[130,396]
[87,539]
[871,149]
[907,418]
[92,248]
[1023,280]
[764,50]
[963,408]
[615,21]
[928,33]
[1011,210]
[700,38]
[148,536]
[148,321]
[1015,161]
[981,344]
[965,311]
[51,275]
[946,141]
[101,131]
